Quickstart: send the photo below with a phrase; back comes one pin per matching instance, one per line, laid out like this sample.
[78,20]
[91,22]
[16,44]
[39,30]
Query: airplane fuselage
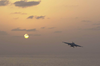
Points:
[72,44]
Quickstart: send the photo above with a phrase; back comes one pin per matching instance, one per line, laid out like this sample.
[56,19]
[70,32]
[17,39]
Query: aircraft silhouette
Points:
[72,44]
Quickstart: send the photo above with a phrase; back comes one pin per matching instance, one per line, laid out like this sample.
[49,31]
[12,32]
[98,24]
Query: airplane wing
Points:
[79,46]
[72,44]
[67,43]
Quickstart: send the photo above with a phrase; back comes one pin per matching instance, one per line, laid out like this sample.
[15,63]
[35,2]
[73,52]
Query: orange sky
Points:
[64,20]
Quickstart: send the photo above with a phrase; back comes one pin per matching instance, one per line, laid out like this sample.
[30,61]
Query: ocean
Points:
[50,60]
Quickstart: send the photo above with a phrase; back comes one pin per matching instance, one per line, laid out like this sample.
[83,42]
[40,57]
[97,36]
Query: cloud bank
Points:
[86,21]
[18,29]
[95,28]
[4,2]
[24,3]
[40,17]
[42,27]
[30,17]
[57,31]
[19,13]
[51,28]
[3,33]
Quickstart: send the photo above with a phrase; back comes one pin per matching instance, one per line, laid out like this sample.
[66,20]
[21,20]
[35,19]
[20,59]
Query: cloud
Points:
[31,30]
[57,31]
[37,17]
[40,17]
[17,36]
[42,27]
[19,13]
[3,33]
[37,34]
[95,28]
[96,24]
[18,29]
[24,3]
[30,17]
[86,21]
[34,34]
[4,2]
[51,28]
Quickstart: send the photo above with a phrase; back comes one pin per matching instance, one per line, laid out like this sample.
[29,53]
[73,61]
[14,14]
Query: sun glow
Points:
[26,36]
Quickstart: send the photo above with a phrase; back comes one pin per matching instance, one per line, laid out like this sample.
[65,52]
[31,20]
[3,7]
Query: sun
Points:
[26,36]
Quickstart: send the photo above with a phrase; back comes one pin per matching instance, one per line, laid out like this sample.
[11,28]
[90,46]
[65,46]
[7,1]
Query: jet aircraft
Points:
[72,44]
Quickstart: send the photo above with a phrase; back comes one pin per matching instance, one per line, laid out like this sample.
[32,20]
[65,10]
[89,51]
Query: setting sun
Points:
[26,35]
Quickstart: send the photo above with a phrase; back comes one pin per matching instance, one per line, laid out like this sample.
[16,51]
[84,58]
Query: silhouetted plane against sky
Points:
[72,44]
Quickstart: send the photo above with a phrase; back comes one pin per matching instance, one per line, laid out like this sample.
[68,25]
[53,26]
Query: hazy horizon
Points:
[48,23]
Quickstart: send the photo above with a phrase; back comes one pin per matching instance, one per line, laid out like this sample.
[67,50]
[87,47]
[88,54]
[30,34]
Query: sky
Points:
[48,23]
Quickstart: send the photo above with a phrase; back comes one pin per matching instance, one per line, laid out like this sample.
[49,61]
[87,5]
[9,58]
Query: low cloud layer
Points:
[24,3]
[51,28]
[86,21]
[34,34]
[3,33]
[18,29]
[19,13]
[95,28]
[57,31]
[96,24]
[42,27]
[18,36]
[37,34]
[4,2]
[31,30]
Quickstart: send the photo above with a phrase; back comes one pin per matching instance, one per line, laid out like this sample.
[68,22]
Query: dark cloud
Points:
[86,21]
[3,33]
[42,27]
[57,31]
[34,34]
[4,2]
[18,29]
[51,28]
[19,13]
[37,35]
[24,3]
[40,17]
[31,30]
[37,17]
[30,17]
[17,36]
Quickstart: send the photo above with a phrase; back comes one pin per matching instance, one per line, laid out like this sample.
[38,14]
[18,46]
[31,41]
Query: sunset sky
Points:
[48,23]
